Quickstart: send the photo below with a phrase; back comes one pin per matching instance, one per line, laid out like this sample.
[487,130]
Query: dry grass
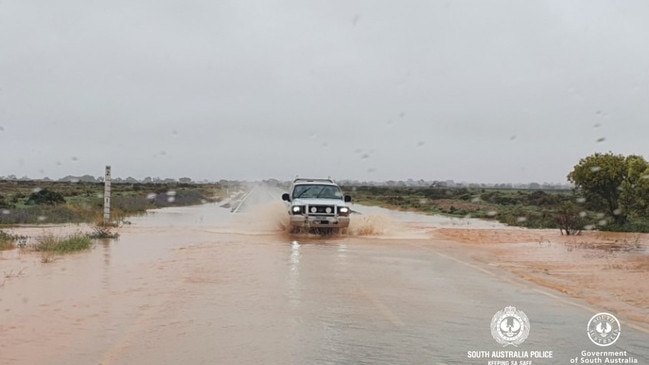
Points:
[71,243]
[7,241]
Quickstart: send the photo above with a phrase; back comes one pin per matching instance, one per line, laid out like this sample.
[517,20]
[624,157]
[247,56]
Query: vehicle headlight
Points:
[314,209]
[343,211]
[296,209]
[328,210]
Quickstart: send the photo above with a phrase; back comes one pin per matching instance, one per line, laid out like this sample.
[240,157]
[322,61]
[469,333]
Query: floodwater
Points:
[200,285]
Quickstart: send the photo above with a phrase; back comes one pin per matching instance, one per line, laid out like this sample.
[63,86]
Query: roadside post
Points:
[107,196]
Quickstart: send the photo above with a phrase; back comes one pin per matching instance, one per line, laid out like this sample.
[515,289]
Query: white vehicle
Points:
[317,205]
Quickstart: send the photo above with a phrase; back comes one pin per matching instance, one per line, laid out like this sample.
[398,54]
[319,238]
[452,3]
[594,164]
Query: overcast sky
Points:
[476,91]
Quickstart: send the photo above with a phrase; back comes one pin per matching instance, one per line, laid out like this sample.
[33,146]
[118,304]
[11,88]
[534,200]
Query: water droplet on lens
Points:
[420,143]
[6,212]
[581,200]
[74,158]
[492,213]
[521,219]
[36,190]
[151,196]
[171,199]
[602,139]
[617,211]
[600,215]
[595,168]
[42,218]
[365,156]
[603,222]
[582,214]
[589,227]
[171,193]
[512,138]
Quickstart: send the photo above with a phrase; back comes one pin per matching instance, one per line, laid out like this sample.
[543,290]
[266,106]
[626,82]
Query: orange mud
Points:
[610,271]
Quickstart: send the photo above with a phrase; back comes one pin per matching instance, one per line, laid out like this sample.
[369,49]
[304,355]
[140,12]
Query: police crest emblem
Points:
[510,327]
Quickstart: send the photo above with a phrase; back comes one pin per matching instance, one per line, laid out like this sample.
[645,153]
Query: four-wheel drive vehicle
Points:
[317,204]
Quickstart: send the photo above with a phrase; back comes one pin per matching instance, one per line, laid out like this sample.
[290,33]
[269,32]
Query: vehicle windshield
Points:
[317,191]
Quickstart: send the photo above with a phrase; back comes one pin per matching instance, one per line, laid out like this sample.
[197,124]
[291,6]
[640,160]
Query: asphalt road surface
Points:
[201,285]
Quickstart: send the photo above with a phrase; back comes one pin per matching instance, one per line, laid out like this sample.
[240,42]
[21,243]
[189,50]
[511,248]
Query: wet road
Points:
[203,286]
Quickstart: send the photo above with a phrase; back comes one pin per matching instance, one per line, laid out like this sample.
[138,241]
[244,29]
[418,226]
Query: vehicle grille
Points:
[321,210]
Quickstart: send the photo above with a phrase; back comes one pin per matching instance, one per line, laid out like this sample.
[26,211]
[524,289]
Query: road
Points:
[201,285]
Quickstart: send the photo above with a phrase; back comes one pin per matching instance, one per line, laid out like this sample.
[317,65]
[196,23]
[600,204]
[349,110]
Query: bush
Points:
[45,196]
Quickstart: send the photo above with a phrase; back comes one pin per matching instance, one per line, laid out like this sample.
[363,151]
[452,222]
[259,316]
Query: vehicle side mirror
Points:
[286,197]
[348,198]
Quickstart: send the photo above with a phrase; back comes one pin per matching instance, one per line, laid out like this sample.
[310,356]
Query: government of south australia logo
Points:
[603,329]
[510,327]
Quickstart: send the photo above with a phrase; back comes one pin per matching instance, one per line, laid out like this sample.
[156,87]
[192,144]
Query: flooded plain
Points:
[201,285]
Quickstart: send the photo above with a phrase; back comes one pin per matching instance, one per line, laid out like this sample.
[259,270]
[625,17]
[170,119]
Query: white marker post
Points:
[107,196]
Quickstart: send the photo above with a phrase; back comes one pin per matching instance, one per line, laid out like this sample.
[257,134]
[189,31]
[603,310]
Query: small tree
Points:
[569,219]
[614,183]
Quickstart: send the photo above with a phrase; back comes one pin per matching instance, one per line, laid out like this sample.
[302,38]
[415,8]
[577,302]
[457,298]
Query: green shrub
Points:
[45,196]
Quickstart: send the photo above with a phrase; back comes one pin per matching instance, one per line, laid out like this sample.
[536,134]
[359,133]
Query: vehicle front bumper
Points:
[302,221]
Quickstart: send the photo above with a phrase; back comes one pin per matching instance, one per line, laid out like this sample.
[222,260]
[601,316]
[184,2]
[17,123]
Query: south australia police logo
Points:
[603,329]
[510,327]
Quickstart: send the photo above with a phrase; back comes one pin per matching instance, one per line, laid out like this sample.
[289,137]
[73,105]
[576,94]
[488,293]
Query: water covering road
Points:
[200,285]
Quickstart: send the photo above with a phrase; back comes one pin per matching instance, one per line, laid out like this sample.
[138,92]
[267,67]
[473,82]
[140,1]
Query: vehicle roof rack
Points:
[306,179]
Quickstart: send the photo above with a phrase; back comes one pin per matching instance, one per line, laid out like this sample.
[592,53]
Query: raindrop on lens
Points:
[602,139]
[521,219]
[589,227]
[595,168]
[42,218]
[6,212]
[581,200]
[582,214]
[151,196]
[492,213]
[603,222]
[617,211]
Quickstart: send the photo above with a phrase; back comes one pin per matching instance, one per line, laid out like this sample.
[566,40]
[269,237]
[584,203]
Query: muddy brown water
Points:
[200,285]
